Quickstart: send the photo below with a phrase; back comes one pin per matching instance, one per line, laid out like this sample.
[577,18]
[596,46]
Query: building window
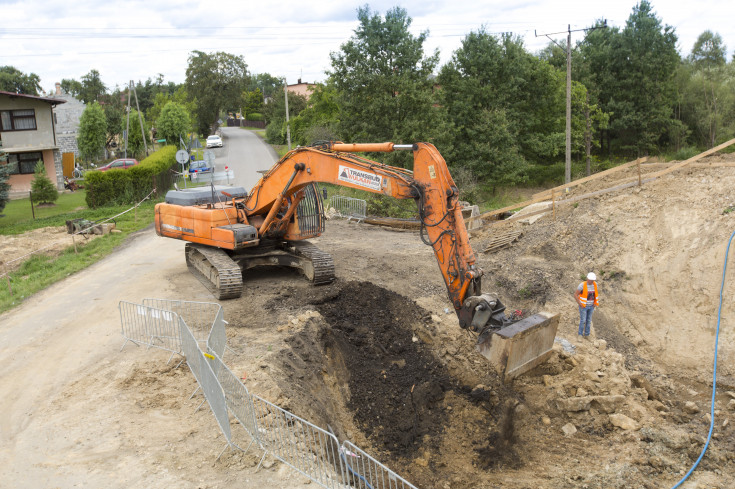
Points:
[18,120]
[23,163]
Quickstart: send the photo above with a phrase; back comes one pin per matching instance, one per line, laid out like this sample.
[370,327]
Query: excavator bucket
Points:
[521,346]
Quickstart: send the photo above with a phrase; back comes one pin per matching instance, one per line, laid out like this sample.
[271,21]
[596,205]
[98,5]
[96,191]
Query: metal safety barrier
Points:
[308,449]
[144,325]
[349,207]
[200,317]
[303,446]
[207,380]
[364,472]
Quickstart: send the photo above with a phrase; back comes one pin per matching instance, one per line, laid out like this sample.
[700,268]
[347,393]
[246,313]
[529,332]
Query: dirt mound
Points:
[369,355]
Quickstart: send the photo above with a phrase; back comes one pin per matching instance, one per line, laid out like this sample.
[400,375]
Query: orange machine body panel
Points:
[199,224]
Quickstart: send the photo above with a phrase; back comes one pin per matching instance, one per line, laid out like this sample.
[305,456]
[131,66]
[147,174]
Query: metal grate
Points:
[310,213]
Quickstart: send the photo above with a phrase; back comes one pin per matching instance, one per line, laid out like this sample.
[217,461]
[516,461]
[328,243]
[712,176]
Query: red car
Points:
[122,164]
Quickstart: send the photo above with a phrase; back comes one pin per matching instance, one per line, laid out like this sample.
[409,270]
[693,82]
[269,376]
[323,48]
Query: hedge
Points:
[116,187]
[254,116]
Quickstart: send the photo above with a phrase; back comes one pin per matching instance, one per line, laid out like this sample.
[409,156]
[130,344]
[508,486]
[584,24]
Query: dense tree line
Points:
[495,110]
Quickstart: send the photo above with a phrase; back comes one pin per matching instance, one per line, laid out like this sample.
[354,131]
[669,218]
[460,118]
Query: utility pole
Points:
[568,51]
[288,126]
[140,118]
[127,121]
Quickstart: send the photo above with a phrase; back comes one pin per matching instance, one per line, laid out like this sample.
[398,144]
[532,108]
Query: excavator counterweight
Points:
[229,231]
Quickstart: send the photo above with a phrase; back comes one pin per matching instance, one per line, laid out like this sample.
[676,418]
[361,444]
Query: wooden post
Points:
[74,240]
[33,211]
[553,202]
[7,277]
[639,172]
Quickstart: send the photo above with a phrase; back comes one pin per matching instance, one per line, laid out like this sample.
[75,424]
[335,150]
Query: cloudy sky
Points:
[140,39]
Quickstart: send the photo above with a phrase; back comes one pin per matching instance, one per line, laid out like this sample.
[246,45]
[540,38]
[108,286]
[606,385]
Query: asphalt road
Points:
[244,153]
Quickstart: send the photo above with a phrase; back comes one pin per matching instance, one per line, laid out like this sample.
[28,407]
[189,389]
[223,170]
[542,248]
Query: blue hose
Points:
[714,371]
[344,458]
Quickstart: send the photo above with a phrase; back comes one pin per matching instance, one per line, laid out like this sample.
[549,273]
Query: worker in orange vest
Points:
[588,298]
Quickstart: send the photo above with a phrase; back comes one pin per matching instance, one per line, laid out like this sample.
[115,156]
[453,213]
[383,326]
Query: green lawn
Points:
[40,270]
[18,211]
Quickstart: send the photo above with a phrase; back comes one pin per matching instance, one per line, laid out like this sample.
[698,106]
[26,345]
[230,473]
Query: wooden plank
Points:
[506,209]
[693,159]
[591,177]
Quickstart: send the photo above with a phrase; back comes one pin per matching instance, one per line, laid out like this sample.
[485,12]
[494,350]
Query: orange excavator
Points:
[229,230]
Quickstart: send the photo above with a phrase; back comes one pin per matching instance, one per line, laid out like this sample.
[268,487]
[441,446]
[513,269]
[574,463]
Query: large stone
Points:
[569,429]
[574,404]
[608,404]
[623,422]
[691,407]
[731,405]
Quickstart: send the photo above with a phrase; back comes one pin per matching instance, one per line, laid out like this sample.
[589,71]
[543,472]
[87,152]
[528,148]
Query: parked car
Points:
[214,141]
[199,166]
[122,164]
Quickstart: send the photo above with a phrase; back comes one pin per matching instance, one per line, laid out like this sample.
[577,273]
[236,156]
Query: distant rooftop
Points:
[54,101]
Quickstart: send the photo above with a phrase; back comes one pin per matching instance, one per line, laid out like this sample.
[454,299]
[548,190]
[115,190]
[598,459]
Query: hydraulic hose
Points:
[714,371]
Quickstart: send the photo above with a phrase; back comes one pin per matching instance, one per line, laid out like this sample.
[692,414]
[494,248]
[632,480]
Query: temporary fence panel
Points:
[349,207]
[207,380]
[199,316]
[294,441]
[217,339]
[363,471]
[237,396]
[150,326]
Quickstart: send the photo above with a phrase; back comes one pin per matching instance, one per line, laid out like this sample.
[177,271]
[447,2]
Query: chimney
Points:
[58,88]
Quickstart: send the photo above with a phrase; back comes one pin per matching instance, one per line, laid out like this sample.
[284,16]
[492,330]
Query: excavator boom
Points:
[274,210]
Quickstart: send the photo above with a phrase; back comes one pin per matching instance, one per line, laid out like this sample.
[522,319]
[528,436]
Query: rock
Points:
[268,463]
[608,404]
[547,421]
[623,422]
[422,462]
[574,404]
[581,392]
[436,318]
[659,406]
[592,376]
[569,429]
[731,394]
[641,382]
[600,344]
[571,361]
[547,380]
[691,407]
[731,405]
[725,423]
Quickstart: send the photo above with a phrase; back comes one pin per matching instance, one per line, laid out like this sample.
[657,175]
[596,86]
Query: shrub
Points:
[686,153]
[275,132]
[255,116]
[132,185]
[43,189]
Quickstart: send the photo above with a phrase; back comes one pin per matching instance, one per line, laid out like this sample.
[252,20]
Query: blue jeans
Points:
[585,317]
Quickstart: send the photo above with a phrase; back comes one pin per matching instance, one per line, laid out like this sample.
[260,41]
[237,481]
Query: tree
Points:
[632,74]
[135,137]
[71,86]
[267,83]
[4,176]
[384,81]
[14,80]
[320,119]
[275,115]
[173,122]
[42,188]
[92,131]
[92,87]
[506,108]
[217,82]
[708,51]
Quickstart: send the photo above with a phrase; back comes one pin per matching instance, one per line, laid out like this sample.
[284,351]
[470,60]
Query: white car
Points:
[214,141]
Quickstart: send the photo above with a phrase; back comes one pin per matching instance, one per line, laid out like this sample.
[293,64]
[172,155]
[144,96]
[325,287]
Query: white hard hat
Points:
[591,276]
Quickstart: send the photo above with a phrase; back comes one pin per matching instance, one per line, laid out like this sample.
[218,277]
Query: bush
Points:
[686,153]
[255,116]
[115,187]
[275,132]
[43,189]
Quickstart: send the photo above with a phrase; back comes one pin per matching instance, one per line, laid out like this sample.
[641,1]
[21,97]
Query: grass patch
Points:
[18,211]
[40,271]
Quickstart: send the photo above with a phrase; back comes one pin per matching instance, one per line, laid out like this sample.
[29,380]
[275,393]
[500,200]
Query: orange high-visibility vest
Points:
[583,295]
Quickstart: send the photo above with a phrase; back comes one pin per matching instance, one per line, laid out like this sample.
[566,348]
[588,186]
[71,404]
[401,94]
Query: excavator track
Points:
[215,270]
[323,264]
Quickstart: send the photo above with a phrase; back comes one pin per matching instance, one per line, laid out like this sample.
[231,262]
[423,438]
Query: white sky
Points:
[139,39]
